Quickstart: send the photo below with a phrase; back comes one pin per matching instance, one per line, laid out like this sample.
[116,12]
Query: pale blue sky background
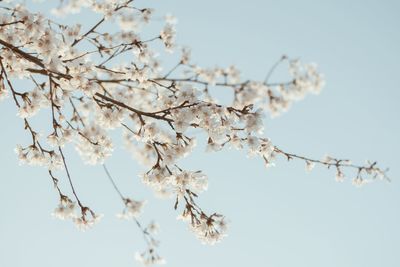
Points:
[280,217]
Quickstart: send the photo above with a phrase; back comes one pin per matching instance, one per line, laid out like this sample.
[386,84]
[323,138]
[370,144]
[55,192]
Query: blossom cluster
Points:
[150,256]
[133,208]
[84,219]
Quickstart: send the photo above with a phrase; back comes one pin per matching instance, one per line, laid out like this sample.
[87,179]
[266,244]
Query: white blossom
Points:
[85,223]
[65,210]
[310,165]
[210,230]
[148,259]
[132,209]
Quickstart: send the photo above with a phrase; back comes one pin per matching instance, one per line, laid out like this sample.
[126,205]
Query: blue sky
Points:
[280,217]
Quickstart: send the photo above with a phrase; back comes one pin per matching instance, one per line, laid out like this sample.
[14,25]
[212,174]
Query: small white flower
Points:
[153,228]
[339,176]
[3,93]
[310,165]
[210,230]
[65,210]
[132,209]
[84,223]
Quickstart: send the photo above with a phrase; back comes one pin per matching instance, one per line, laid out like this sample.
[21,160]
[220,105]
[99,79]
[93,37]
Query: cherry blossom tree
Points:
[92,81]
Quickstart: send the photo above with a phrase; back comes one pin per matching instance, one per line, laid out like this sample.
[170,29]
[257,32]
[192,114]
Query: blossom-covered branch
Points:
[132,210]
[93,81]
